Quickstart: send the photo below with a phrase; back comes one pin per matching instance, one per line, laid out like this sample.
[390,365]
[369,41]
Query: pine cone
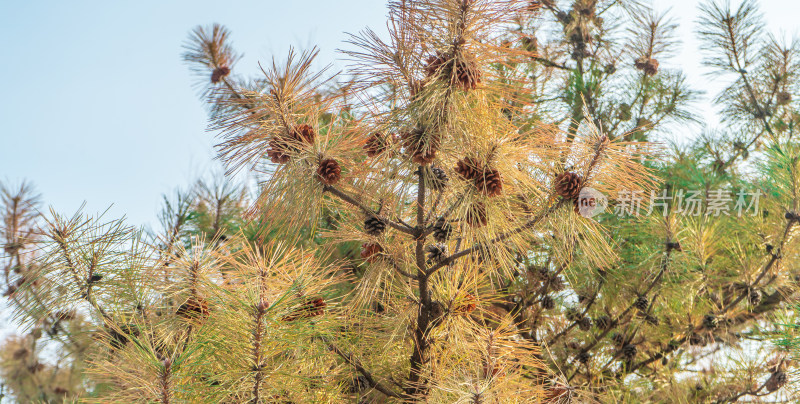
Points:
[194,308]
[469,168]
[467,305]
[377,144]
[438,179]
[468,75]
[710,321]
[422,152]
[329,171]
[374,226]
[303,133]
[370,251]
[358,384]
[603,322]
[311,308]
[462,72]
[776,380]
[490,183]
[442,230]
[476,215]
[219,73]
[585,323]
[281,146]
[783,98]
[754,297]
[434,64]
[568,185]
[583,357]
[641,303]
[547,302]
[629,351]
[436,252]
[543,273]
[648,65]
[277,152]
[573,314]
[555,283]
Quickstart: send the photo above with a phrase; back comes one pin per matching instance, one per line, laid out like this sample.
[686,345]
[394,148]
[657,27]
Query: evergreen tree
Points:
[422,233]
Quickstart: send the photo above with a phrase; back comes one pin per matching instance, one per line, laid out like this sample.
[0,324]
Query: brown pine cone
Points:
[467,305]
[585,323]
[462,72]
[219,73]
[629,351]
[434,64]
[436,252]
[476,215]
[329,171]
[468,75]
[309,309]
[776,380]
[277,152]
[374,226]
[648,65]
[194,308]
[641,303]
[568,185]
[420,151]
[371,251]
[555,283]
[442,230]
[603,322]
[376,144]
[438,179]
[490,183]
[303,133]
[469,168]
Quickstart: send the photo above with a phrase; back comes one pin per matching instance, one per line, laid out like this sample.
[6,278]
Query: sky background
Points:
[96,105]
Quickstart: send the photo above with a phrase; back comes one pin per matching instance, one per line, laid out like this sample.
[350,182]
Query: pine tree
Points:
[417,233]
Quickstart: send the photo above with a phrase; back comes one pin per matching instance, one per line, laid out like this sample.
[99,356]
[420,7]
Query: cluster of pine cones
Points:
[280,147]
[487,180]
[459,71]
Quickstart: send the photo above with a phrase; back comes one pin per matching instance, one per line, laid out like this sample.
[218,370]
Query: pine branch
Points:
[527,226]
[352,201]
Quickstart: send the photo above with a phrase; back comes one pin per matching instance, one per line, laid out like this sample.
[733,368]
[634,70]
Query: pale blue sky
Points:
[97,106]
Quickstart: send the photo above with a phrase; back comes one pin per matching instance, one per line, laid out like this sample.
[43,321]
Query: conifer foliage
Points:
[416,233]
